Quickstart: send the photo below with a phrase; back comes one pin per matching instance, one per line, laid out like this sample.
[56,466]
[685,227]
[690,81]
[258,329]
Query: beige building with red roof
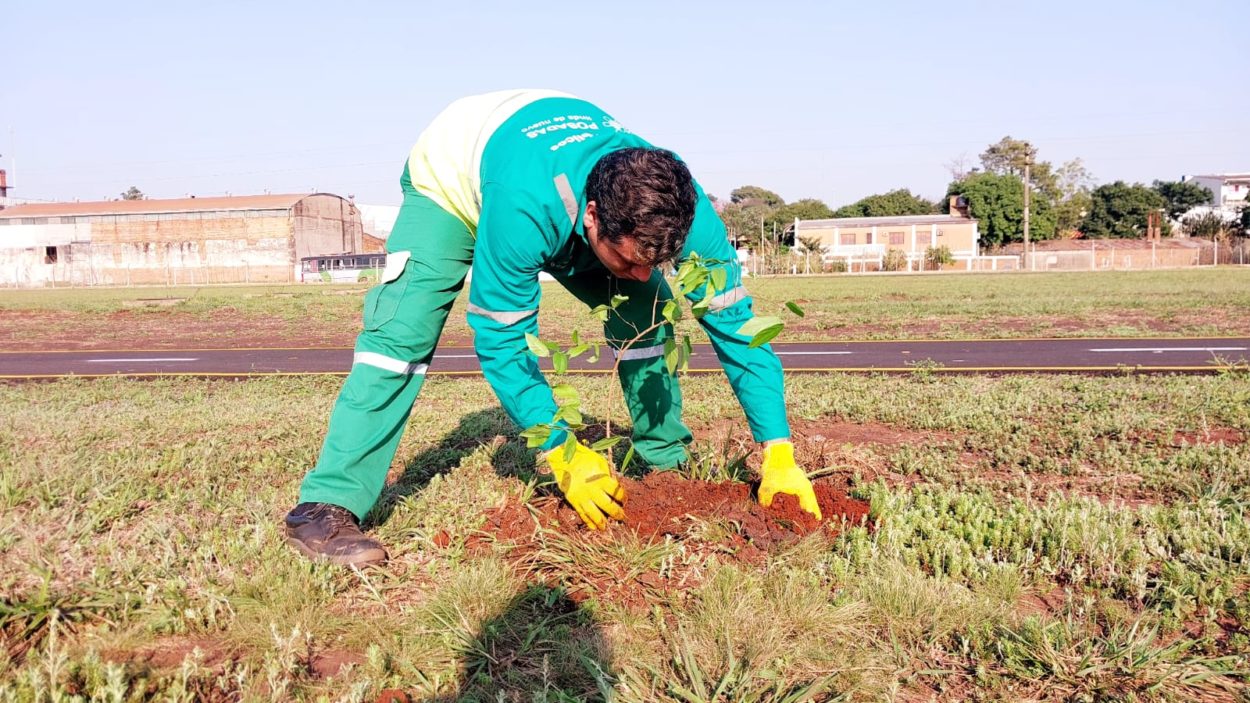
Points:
[240,239]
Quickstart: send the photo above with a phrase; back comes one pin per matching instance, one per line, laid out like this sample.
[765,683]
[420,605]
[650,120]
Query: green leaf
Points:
[560,361]
[763,336]
[794,308]
[570,447]
[718,278]
[536,345]
[594,356]
[671,311]
[618,299]
[570,414]
[606,443]
[700,308]
[671,355]
[629,456]
[753,326]
[576,341]
[578,350]
[536,436]
[761,330]
[601,312]
[692,280]
[564,393]
[687,350]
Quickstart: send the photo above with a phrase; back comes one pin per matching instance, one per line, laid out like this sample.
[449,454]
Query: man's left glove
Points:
[779,474]
[588,485]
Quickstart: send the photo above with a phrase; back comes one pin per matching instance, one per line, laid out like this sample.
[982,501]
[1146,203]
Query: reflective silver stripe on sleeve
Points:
[505,318]
[726,299]
[386,363]
[633,354]
[565,189]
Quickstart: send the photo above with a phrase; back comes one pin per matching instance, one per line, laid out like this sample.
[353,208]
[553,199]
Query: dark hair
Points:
[645,194]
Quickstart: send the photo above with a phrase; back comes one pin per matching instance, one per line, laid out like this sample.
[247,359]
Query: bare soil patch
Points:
[1213,435]
[171,652]
[720,518]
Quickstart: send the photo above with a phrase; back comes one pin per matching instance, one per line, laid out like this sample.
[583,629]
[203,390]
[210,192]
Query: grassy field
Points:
[1036,538]
[1156,303]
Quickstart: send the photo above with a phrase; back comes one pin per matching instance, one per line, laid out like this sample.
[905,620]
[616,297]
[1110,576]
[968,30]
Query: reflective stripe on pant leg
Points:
[403,320]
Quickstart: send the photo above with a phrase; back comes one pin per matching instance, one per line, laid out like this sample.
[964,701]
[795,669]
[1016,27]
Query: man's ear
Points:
[590,221]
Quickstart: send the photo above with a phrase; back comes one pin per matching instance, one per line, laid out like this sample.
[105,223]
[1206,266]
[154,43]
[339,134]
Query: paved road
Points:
[1022,355]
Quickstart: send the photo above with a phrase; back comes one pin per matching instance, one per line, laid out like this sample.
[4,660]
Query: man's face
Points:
[618,257]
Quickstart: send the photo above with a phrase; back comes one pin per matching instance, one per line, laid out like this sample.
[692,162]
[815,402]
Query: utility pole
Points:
[1028,162]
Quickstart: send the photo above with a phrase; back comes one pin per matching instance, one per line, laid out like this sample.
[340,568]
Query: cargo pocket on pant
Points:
[383,300]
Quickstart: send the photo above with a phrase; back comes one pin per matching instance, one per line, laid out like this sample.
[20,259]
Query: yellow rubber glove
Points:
[588,485]
[779,474]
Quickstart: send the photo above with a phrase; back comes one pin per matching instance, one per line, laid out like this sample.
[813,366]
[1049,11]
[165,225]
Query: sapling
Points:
[693,274]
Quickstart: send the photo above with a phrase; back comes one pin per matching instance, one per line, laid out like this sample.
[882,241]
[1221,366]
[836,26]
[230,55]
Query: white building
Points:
[1229,190]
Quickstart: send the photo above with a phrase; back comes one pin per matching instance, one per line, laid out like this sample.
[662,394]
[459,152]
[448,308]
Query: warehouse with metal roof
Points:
[240,239]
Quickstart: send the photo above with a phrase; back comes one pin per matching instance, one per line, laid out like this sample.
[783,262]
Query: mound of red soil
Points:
[664,503]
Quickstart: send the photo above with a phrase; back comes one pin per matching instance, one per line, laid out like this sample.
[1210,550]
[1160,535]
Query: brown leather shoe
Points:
[329,532]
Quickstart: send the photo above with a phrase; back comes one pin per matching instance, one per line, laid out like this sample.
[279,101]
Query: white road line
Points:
[1169,349]
[133,361]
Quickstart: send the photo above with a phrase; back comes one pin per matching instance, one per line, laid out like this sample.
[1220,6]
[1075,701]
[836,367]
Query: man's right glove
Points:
[779,474]
[588,485]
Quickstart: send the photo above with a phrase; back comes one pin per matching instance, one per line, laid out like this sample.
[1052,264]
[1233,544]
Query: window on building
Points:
[49,255]
[924,239]
[896,239]
[847,239]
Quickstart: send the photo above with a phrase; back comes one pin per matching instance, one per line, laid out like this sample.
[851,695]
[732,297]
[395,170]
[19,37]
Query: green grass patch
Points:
[1119,304]
[1039,537]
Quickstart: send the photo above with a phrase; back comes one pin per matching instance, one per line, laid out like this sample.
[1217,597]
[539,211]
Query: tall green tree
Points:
[132,194]
[784,216]
[1121,210]
[755,195]
[1008,156]
[742,223]
[891,204]
[996,201]
[1183,196]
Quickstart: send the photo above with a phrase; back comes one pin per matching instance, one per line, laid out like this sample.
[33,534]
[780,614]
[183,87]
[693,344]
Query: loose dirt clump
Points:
[665,504]
[701,518]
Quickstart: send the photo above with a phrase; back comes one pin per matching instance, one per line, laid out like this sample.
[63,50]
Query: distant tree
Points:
[1183,196]
[755,195]
[1073,182]
[960,167]
[132,194]
[939,256]
[741,223]
[891,204]
[1213,225]
[1121,210]
[1008,157]
[804,209]
[996,201]
[1245,216]
[811,243]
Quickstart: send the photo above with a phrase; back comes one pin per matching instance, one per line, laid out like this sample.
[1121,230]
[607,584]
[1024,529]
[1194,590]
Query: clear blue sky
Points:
[810,99]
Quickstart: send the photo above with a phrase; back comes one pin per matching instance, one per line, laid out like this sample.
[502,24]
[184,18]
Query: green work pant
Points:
[403,318]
